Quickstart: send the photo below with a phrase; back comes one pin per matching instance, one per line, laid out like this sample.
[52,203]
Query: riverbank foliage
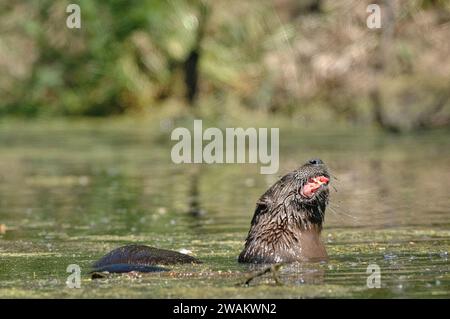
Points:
[309,60]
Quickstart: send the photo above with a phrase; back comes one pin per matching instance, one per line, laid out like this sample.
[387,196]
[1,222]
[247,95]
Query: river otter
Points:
[286,227]
[288,218]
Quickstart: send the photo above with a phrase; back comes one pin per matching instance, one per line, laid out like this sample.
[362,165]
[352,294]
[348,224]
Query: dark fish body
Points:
[140,258]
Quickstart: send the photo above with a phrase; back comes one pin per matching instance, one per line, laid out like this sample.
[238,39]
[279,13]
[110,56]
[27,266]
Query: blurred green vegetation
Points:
[309,59]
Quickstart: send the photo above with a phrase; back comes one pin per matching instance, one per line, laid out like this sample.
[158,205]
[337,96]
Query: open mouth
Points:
[313,185]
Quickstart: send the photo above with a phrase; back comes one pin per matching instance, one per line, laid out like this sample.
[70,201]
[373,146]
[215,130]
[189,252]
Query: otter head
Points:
[312,190]
[288,217]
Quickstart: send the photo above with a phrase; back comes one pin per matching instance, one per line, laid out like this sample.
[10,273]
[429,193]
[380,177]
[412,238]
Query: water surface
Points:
[71,191]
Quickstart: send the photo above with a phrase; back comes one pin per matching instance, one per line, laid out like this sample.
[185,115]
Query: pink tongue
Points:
[323,179]
[309,189]
[313,185]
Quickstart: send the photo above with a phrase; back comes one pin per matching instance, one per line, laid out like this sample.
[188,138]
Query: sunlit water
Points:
[71,192]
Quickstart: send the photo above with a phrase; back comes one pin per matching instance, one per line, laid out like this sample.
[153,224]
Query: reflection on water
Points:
[70,193]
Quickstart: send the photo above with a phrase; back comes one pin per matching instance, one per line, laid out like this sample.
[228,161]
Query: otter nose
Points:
[315,161]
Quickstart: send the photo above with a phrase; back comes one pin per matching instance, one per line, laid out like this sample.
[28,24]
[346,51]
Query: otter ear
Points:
[262,205]
[261,208]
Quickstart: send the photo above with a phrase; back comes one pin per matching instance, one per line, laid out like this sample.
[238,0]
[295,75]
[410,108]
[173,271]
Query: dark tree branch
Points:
[192,61]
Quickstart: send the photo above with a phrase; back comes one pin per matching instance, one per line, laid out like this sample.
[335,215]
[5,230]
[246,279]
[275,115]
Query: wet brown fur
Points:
[286,226]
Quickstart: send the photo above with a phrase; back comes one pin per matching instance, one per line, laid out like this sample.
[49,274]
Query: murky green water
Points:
[70,192]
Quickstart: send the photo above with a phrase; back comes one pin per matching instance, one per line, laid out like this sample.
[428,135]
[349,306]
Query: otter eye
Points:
[315,161]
